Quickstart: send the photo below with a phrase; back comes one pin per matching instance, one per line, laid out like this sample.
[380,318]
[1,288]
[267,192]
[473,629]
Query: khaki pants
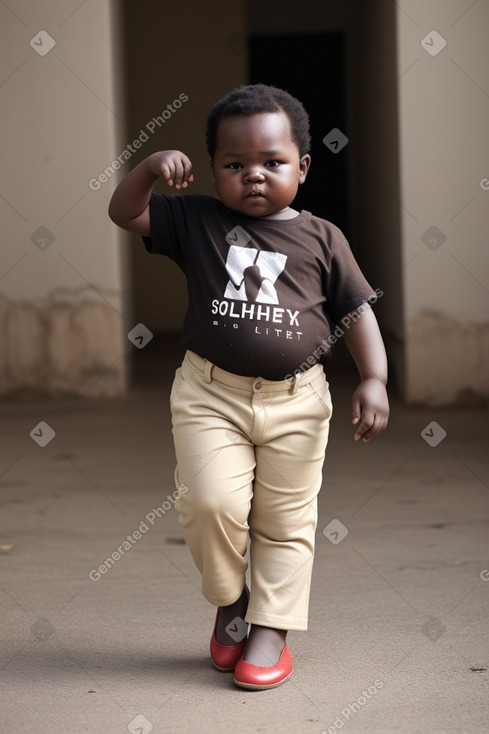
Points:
[251,452]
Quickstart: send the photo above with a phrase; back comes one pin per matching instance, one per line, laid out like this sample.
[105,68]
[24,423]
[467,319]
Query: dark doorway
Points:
[312,68]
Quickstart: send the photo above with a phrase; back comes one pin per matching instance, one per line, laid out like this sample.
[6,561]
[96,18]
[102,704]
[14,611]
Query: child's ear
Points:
[304,164]
[211,163]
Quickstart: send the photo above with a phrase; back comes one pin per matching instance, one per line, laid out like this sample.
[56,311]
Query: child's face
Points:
[257,168]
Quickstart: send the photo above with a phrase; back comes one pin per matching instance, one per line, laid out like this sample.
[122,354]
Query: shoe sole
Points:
[261,687]
[222,670]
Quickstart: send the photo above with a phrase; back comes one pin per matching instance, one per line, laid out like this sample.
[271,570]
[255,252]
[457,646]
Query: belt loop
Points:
[207,376]
[297,377]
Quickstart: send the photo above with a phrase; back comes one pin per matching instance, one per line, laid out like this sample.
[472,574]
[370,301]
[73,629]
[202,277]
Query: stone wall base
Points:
[60,346]
[447,361]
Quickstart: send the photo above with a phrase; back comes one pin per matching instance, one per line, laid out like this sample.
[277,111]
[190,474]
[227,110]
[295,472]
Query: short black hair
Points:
[254,99]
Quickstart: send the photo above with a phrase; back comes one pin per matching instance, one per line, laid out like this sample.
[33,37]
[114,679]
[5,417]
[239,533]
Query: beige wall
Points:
[443,124]
[421,149]
[61,301]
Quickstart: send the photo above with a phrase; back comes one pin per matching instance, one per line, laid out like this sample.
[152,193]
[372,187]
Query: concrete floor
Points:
[399,616]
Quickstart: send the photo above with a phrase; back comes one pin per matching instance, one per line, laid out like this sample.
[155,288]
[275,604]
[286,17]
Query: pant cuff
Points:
[222,601]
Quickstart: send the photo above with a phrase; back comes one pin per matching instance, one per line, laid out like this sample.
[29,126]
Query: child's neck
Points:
[286,213]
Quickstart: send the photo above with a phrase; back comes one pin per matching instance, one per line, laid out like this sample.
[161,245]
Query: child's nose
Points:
[253,175]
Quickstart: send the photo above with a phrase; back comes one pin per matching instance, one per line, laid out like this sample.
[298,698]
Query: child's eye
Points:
[235,166]
[272,164]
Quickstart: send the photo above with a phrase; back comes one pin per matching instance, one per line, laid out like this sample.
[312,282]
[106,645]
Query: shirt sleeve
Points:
[168,228]
[347,287]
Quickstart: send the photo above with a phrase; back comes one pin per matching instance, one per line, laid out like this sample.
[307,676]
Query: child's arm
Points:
[370,402]
[129,205]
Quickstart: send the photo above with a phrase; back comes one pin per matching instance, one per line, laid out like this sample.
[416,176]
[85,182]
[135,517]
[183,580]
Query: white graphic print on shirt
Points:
[252,274]
[252,277]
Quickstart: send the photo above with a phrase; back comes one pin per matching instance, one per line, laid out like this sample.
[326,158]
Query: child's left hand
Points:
[371,408]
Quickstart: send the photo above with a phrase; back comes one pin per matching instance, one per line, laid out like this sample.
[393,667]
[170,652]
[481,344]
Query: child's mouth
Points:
[254,195]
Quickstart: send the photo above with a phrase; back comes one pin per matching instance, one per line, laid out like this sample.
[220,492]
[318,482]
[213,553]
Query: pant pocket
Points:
[320,389]
[182,375]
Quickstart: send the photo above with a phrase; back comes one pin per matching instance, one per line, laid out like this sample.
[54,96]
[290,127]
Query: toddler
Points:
[250,403]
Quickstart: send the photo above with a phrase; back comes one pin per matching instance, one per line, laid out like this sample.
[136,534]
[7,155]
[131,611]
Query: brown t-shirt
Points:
[263,294]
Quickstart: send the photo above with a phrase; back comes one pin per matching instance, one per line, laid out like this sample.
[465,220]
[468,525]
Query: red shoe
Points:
[258,678]
[225,657]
